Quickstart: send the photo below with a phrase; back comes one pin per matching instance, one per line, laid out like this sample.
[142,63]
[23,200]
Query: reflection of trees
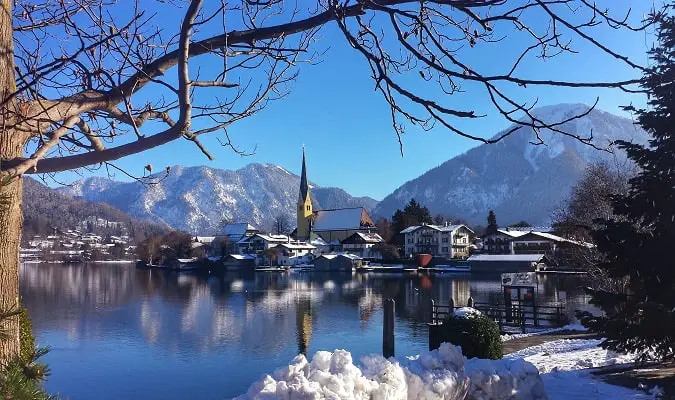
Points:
[257,312]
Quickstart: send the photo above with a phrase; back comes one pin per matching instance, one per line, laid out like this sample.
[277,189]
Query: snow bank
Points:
[438,374]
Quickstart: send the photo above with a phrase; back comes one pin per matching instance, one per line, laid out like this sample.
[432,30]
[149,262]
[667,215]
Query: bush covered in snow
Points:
[476,334]
[438,374]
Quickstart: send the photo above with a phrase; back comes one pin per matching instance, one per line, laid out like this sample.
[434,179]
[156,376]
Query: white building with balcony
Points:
[449,241]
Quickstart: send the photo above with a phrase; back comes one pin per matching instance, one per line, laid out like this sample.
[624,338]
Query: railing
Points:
[519,315]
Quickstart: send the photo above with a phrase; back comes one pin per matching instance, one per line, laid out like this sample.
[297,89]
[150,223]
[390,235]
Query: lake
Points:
[118,332]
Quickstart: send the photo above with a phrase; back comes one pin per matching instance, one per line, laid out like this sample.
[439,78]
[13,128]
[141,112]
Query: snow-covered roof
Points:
[442,228]
[507,257]
[265,237]
[238,229]
[297,246]
[367,237]
[340,219]
[555,238]
[205,239]
[318,241]
[513,234]
[334,255]
[242,256]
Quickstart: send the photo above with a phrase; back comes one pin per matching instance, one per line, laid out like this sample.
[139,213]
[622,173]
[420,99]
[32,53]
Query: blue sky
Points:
[345,125]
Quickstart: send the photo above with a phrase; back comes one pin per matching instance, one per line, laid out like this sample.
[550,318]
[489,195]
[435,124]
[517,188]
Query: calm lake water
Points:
[117,332]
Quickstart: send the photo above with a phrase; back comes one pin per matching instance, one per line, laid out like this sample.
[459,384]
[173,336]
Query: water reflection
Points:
[222,332]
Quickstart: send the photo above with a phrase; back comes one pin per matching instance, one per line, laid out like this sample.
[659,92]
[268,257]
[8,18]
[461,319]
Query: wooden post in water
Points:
[432,311]
[388,329]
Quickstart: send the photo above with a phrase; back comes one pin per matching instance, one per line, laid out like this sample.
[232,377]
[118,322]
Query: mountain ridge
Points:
[199,199]
[516,179]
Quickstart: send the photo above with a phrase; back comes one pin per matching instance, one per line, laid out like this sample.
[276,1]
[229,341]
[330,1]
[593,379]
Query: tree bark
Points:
[11,215]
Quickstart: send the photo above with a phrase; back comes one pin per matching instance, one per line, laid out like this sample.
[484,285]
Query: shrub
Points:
[476,334]
[22,377]
[26,338]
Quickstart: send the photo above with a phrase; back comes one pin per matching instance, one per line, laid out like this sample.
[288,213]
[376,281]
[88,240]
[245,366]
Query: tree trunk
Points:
[11,215]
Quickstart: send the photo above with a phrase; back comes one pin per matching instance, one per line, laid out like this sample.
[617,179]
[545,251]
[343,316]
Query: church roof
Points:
[304,185]
[341,219]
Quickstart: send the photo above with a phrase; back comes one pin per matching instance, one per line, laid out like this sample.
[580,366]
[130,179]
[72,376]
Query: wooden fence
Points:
[518,315]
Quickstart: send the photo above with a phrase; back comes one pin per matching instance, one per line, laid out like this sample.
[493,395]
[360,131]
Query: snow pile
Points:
[438,374]
[504,379]
[466,312]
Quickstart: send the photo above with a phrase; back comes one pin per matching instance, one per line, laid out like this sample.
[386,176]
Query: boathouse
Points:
[337,262]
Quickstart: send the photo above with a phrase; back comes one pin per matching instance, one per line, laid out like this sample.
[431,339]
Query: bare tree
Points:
[590,200]
[84,83]
[281,224]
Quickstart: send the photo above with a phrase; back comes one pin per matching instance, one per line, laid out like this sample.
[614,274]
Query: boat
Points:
[450,268]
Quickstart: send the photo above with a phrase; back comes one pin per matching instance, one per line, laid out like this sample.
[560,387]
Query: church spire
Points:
[304,186]
[305,213]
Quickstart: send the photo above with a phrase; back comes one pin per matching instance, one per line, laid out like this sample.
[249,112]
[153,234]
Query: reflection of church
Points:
[331,225]
[303,323]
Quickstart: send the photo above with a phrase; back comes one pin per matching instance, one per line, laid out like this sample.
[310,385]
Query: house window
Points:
[410,240]
[307,208]
[411,250]
[444,240]
[444,249]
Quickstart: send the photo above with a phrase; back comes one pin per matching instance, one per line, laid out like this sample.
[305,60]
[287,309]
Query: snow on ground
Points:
[563,365]
[569,355]
[569,327]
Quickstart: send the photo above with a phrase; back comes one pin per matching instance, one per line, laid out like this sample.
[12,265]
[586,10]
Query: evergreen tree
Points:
[637,241]
[413,214]
[492,223]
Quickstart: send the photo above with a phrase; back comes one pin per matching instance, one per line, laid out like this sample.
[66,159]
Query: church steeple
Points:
[304,186]
[304,211]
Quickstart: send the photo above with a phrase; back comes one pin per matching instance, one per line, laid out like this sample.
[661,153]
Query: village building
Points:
[234,233]
[558,249]
[330,225]
[294,253]
[499,241]
[448,241]
[362,244]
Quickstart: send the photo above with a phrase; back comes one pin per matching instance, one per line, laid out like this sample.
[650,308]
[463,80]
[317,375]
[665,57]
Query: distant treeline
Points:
[45,210]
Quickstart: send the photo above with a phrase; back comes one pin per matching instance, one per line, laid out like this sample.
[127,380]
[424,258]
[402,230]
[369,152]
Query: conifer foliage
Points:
[637,242]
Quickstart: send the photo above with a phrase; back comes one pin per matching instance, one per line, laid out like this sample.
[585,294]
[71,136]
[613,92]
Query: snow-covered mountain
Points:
[198,199]
[518,180]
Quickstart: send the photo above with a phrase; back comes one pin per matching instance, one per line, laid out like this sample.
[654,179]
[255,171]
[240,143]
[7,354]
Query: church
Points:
[329,225]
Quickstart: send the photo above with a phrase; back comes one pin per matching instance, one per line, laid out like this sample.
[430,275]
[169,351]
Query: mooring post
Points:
[470,302]
[388,329]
